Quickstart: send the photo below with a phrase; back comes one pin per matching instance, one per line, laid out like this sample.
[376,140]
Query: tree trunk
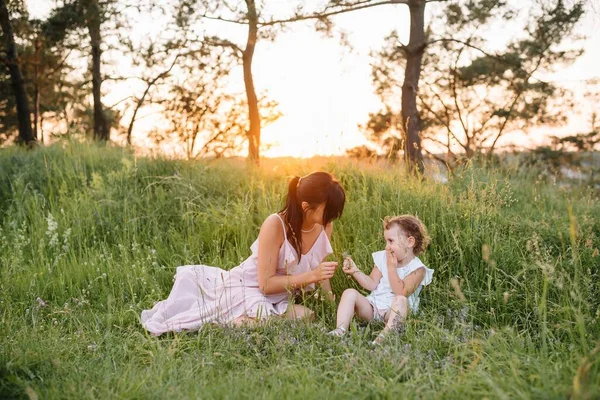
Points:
[411,122]
[42,128]
[36,90]
[23,114]
[254,115]
[36,110]
[101,131]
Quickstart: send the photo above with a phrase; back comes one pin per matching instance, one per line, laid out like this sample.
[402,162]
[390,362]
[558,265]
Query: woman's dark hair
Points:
[315,189]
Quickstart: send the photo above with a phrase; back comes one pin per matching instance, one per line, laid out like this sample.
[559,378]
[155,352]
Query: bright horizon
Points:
[324,90]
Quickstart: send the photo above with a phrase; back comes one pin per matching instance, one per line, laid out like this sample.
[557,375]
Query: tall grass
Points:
[91,236]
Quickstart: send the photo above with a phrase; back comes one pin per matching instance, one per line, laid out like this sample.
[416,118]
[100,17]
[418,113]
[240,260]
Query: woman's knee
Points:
[300,312]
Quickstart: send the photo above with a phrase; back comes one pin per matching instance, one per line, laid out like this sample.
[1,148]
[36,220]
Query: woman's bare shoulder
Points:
[272,226]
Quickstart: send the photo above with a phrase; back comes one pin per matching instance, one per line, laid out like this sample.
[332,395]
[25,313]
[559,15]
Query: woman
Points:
[287,256]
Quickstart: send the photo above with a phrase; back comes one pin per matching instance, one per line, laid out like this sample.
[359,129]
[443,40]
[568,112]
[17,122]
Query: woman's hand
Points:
[325,270]
[349,266]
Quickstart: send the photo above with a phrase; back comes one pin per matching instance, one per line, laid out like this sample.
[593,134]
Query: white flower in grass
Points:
[41,303]
[66,236]
[52,231]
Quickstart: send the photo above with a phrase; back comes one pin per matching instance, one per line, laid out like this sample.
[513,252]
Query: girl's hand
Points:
[392,262]
[349,266]
[325,270]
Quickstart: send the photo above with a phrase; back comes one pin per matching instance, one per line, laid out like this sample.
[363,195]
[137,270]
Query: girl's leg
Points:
[395,317]
[297,311]
[353,302]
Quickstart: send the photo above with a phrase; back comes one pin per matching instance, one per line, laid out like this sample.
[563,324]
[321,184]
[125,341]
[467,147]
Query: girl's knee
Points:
[400,301]
[350,294]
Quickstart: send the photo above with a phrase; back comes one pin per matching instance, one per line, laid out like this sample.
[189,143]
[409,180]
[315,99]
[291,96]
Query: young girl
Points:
[288,255]
[395,281]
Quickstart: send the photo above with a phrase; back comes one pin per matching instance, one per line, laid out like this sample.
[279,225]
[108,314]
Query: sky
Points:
[325,90]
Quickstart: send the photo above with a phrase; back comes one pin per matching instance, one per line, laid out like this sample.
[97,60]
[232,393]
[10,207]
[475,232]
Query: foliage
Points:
[469,96]
[91,236]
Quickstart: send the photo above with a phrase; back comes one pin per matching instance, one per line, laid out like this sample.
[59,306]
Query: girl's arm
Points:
[270,239]
[369,282]
[408,285]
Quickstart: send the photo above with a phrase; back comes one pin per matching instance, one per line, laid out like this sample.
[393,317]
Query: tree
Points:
[204,118]
[93,20]
[477,97]
[384,128]
[412,52]
[455,30]
[96,18]
[247,13]
[154,58]
[22,102]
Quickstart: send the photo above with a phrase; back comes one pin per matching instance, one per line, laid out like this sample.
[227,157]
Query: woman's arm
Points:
[270,239]
[326,287]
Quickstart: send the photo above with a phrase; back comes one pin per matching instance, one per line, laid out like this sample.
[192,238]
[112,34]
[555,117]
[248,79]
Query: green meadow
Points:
[90,236]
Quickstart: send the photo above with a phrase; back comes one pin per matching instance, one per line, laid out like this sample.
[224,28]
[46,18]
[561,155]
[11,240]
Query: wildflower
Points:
[456,285]
[51,232]
[485,252]
[41,303]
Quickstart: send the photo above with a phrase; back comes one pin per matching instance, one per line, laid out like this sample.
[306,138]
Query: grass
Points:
[91,236]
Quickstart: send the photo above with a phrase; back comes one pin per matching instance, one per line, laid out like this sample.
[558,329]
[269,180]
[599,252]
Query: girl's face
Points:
[397,242]
[314,215]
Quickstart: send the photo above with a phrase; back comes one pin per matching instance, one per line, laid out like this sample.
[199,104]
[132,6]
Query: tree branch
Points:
[325,14]
[446,125]
[438,158]
[214,41]
[233,21]
[467,44]
[515,101]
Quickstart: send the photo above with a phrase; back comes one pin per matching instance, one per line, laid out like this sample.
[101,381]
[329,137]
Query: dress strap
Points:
[283,226]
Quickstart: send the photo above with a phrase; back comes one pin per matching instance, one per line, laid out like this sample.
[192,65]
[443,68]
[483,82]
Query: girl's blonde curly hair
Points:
[413,226]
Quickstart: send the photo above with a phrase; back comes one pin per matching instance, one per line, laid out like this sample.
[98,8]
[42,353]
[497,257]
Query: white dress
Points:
[203,294]
[381,298]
